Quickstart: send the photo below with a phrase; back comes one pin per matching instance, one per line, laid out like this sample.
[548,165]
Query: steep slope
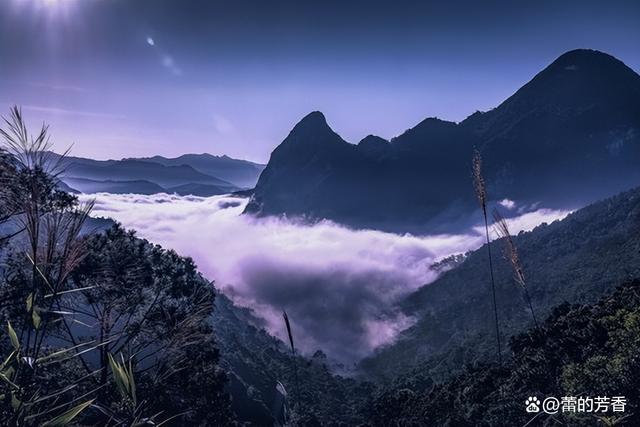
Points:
[571,133]
[241,173]
[580,350]
[255,361]
[316,174]
[313,172]
[63,186]
[577,259]
[568,137]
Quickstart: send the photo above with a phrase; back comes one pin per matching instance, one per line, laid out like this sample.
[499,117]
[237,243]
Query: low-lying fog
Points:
[339,286]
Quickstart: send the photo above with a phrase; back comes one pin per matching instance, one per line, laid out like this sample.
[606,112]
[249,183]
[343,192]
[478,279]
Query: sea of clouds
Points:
[339,286]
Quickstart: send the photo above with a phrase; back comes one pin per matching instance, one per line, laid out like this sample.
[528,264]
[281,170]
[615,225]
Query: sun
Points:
[53,9]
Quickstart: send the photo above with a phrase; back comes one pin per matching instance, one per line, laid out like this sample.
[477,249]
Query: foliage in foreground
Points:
[580,350]
[256,361]
[98,329]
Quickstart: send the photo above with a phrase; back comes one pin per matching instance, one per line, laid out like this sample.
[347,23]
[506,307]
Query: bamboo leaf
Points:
[79,353]
[29,302]
[13,336]
[9,372]
[67,417]
[15,402]
[40,272]
[36,319]
[70,291]
[119,376]
[132,383]
[5,378]
[8,359]
[64,313]
[64,350]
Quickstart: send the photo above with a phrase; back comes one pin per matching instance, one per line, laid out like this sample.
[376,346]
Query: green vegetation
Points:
[580,350]
[255,361]
[579,260]
[100,329]
[107,329]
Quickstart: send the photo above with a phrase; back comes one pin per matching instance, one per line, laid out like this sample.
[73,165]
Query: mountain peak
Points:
[373,145]
[577,81]
[587,66]
[431,130]
[314,120]
[373,139]
[584,57]
[312,129]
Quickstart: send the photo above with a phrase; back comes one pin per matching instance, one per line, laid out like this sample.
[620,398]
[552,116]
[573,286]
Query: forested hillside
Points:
[97,328]
[100,327]
[577,259]
[580,351]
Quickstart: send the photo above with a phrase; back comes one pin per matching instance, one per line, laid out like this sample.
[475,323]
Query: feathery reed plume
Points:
[481,194]
[511,254]
[293,353]
[53,246]
[478,180]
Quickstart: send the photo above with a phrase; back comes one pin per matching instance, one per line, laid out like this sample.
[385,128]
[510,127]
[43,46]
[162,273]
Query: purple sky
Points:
[129,78]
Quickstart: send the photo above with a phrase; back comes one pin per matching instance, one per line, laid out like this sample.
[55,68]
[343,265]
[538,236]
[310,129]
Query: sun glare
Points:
[54,9]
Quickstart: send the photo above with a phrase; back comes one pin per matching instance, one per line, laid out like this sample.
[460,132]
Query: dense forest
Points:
[579,350]
[100,327]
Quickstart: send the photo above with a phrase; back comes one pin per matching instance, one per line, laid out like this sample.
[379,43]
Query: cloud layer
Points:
[339,286]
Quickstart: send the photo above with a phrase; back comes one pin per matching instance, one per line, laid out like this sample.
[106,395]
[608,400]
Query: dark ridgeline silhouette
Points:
[567,137]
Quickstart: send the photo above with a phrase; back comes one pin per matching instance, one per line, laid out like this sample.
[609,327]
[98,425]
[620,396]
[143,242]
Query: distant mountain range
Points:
[569,136]
[241,173]
[195,174]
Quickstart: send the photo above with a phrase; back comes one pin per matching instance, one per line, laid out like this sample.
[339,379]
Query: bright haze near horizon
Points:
[137,78]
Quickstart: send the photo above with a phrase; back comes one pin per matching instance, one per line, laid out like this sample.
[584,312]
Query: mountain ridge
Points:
[187,174]
[579,115]
[242,173]
[577,259]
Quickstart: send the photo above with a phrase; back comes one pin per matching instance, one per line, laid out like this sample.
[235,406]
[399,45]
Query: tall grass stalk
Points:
[511,254]
[481,194]
[293,353]
[51,224]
